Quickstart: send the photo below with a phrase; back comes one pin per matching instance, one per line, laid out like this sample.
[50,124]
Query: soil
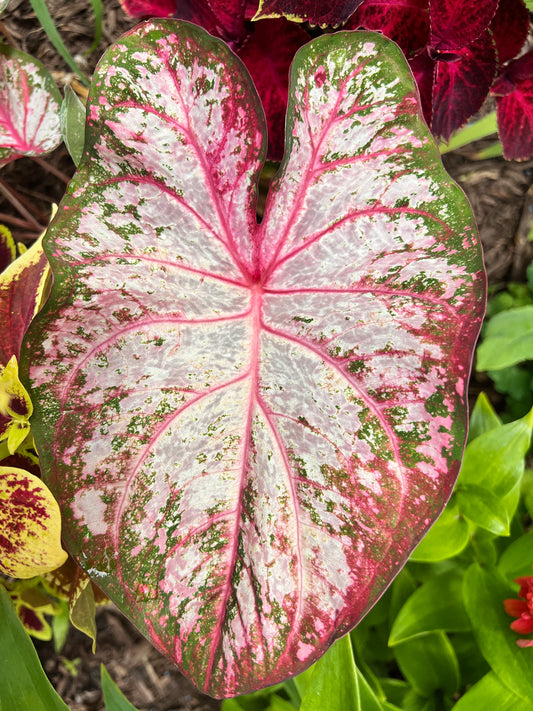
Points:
[501,195]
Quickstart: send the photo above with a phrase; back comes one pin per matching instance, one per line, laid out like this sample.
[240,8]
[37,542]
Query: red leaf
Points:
[149,8]
[250,426]
[21,293]
[424,68]
[461,86]
[457,23]
[407,23]
[509,28]
[514,108]
[268,54]
[316,12]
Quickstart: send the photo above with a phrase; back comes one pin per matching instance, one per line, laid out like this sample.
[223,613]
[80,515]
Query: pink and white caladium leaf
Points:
[29,107]
[250,426]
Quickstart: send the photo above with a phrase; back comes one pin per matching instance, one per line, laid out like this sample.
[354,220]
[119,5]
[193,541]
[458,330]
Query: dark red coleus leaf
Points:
[509,28]
[268,60]
[22,288]
[316,12]
[250,426]
[149,8]
[461,84]
[514,108]
[423,68]
[407,23]
[457,23]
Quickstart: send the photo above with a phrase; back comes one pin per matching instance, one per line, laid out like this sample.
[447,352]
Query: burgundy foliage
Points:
[456,57]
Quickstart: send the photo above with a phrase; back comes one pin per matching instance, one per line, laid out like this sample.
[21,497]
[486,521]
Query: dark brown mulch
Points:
[145,677]
[501,195]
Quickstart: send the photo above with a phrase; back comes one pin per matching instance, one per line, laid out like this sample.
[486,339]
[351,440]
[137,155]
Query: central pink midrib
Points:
[253,374]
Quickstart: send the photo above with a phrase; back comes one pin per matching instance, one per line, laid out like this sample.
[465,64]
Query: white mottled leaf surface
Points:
[250,426]
[29,107]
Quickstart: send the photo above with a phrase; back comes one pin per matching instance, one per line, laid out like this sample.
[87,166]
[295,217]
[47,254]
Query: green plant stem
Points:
[481,128]
[48,25]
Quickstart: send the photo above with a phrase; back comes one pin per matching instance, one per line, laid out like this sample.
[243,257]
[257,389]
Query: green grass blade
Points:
[98,12]
[482,128]
[48,25]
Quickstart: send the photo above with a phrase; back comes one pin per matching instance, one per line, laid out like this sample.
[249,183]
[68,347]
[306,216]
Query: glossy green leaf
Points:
[436,605]
[23,683]
[491,693]
[335,683]
[508,339]
[517,559]
[484,592]
[279,704]
[495,459]
[483,508]
[447,538]
[72,120]
[113,696]
[483,418]
[429,663]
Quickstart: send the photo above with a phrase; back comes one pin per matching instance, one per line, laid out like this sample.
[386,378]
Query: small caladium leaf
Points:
[457,23]
[268,60]
[249,427]
[72,122]
[461,85]
[15,407]
[405,23]
[30,523]
[29,107]
[514,108]
[23,289]
[333,13]
[509,28]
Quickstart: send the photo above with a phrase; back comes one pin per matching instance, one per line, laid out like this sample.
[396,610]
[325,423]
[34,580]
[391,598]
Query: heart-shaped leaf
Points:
[249,427]
[29,107]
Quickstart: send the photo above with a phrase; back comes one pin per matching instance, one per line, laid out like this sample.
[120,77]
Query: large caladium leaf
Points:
[29,107]
[249,427]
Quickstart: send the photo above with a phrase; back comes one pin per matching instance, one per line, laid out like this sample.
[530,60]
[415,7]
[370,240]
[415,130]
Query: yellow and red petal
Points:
[30,525]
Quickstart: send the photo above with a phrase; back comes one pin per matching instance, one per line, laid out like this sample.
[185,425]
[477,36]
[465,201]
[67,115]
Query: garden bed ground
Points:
[501,195]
